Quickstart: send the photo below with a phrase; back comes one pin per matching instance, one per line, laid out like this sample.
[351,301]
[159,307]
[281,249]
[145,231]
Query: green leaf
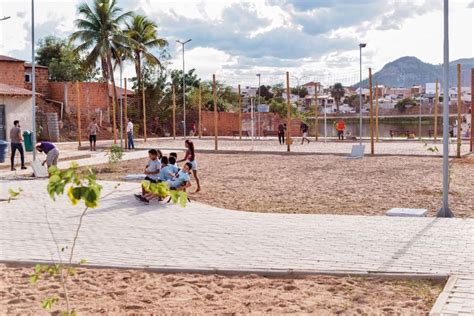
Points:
[83,261]
[38,268]
[48,302]
[34,278]
[13,193]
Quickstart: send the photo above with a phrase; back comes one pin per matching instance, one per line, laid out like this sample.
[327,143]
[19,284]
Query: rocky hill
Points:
[409,71]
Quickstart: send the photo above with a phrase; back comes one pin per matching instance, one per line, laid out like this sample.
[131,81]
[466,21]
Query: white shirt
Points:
[130,127]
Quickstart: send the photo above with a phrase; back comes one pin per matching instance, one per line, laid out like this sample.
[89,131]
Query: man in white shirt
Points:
[131,145]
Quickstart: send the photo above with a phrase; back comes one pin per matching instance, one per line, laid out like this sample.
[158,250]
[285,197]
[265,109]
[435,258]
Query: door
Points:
[3,133]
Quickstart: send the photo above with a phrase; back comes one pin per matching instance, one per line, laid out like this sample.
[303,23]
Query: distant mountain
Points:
[409,71]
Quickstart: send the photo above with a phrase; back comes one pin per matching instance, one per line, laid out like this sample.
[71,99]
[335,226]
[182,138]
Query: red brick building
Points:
[41,78]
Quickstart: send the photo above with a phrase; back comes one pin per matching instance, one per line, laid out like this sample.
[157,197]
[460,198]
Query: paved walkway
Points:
[457,297]
[125,233]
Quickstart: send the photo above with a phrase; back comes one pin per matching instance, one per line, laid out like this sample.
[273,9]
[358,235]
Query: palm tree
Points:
[99,31]
[337,92]
[144,36]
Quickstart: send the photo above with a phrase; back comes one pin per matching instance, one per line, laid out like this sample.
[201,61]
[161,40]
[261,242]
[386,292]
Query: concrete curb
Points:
[260,272]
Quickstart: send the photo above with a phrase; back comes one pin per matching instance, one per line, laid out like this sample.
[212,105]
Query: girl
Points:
[191,158]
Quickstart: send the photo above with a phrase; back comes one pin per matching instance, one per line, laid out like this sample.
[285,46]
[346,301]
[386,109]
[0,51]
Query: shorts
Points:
[52,157]
[92,138]
[194,164]
[151,180]
[305,134]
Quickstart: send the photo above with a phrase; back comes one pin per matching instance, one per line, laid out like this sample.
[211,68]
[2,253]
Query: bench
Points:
[269,133]
[237,134]
[394,133]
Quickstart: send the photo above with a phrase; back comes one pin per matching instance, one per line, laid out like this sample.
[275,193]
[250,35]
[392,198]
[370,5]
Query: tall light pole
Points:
[33,81]
[258,104]
[121,105]
[444,211]
[184,88]
[419,117]
[361,45]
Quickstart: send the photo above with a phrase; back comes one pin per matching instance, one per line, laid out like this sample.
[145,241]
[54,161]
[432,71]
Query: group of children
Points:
[165,169]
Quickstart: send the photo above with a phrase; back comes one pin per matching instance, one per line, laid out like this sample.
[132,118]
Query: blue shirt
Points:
[179,180]
[153,166]
[165,172]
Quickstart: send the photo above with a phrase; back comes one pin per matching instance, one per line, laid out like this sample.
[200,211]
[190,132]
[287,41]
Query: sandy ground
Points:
[137,292]
[325,184]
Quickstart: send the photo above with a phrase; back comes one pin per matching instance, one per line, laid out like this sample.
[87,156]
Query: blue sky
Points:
[314,39]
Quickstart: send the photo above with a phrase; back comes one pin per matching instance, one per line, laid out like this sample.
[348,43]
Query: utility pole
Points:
[184,88]
[361,45]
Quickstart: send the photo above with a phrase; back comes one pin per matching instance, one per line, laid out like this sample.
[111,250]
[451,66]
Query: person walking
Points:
[340,127]
[131,145]
[93,129]
[281,133]
[304,131]
[16,139]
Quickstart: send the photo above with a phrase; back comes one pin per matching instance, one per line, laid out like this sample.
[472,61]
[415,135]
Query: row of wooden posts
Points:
[374,130]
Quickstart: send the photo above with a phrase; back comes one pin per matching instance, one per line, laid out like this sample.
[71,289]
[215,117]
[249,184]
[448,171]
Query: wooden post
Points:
[126,112]
[377,111]
[144,113]
[240,114]
[436,112]
[200,112]
[174,112]
[372,149]
[78,110]
[288,113]
[316,114]
[114,115]
[214,93]
[459,140]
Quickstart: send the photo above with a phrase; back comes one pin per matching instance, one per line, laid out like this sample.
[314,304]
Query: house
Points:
[15,104]
[430,88]
[313,88]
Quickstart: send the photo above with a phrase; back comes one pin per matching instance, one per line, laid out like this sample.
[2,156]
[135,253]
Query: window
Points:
[27,77]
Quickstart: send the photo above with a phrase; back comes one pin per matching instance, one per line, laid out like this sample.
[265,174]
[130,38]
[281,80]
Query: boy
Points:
[172,165]
[304,131]
[152,171]
[166,172]
[179,181]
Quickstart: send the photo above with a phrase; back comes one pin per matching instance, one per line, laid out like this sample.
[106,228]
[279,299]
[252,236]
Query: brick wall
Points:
[93,96]
[472,109]
[41,78]
[12,73]
[229,122]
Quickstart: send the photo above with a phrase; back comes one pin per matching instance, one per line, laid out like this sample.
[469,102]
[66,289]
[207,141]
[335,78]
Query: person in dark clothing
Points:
[16,139]
[304,131]
[281,133]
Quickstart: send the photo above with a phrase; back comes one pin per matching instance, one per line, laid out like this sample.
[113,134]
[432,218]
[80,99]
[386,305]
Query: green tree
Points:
[278,106]
[144,34]
[402,104]
[100,34]
[63,62]
[265,93]
[337,92]
[300,91]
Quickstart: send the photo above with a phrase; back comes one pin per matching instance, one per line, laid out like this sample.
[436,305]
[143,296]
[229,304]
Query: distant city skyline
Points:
[238,39]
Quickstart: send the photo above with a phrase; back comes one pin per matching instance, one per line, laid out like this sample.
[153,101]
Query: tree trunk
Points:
[105,68]
[114,97]
[138,72]
[337,104]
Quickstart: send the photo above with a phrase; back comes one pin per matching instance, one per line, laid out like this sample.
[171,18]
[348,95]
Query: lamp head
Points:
[362,45]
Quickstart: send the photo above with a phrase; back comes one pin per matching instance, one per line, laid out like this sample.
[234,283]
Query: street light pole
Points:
[361,45]
[184,89]
[258,104]
[121,105]
[444,211]
[419,119]
[33,79]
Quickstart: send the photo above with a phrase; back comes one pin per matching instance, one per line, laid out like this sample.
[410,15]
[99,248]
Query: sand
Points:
[325,184]
[116,292]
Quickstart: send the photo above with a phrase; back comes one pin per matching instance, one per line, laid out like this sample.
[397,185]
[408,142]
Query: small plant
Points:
[432,149]
[162,190]
[12,195]
[80,186]
[115,154]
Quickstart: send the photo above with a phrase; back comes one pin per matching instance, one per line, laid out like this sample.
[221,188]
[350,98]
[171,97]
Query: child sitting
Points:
[178,182]
[152,170]
[166,172]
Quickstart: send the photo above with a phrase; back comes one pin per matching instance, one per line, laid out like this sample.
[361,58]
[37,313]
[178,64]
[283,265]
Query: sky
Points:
[312,39]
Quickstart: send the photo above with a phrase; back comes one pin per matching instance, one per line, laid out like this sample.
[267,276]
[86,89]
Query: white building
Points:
[430,88]
[15,104]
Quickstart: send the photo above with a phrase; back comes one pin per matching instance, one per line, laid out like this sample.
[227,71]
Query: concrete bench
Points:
[407,212]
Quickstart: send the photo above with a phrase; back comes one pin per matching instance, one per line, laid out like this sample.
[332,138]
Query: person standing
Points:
[281,133]
[131,145]
[93,129]
[304,131]
[16,139]
[52,153]
[190,157]
[340,127]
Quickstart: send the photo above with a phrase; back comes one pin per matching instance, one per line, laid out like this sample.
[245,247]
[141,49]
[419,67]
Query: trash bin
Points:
[27,136]
[3,150]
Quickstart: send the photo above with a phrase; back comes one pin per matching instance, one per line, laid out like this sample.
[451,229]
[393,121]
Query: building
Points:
[430,88]
[15,104]
[313,88]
